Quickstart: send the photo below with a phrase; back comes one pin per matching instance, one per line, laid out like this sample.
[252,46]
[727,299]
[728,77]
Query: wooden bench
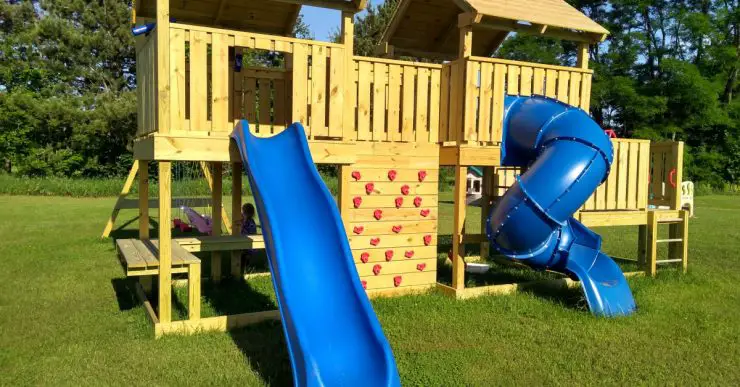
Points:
[220,243]
[140,257]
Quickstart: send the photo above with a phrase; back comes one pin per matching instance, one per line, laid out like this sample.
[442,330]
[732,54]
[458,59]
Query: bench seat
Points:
[140,257]
[221,243]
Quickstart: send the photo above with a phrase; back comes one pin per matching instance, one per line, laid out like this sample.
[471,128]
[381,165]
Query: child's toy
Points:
[203,223]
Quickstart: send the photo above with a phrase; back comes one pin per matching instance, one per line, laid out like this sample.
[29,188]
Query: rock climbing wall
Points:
[391,215]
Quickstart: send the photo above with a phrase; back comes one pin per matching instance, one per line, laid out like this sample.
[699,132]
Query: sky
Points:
[323,21]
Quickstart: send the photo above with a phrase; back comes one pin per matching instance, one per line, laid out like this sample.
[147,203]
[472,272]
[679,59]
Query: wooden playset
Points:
[389,124]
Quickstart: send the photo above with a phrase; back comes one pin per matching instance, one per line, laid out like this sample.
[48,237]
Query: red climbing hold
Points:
[376,269]
[427,239]
[392,175]
[421,266]
[364,257]
[424,213]
[422,175]
[397,228]
[356,175]
[399,202]
[397,280]
[375,241]
[405,189]
[357,201]
[358,229]
[378,214]
[369,188]
[364,284]
[417,201]
[409,253]
[388,255]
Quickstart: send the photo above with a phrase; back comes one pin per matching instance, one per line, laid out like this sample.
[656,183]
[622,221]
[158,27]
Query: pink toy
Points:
[201,222]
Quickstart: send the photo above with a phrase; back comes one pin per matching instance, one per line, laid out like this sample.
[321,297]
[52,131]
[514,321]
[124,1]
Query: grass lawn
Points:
[67,317]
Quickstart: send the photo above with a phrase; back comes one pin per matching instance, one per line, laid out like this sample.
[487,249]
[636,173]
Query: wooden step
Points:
[141,257]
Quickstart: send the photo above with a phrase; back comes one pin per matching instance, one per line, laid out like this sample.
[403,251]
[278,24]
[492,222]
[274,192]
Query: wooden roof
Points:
[431,26]
[275,17]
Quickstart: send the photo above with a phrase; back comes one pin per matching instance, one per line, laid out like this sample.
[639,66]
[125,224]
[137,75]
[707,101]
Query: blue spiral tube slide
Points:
[332,333]
[566,156]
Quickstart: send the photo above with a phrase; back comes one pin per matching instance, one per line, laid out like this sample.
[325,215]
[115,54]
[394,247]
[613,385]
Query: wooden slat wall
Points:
[262,96]
[146,84]
[666,168]
[397,100]
[488,80]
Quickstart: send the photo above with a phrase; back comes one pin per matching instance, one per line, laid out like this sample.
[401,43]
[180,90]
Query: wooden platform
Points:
[220,243]
[139,257]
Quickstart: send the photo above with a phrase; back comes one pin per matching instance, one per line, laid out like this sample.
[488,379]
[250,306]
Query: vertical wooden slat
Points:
[512,83]
[444,104]
[379,81]
[574,97]
[407,123]
[220,82]
[643,173]
[455,101]
[394,102]
[300,75]
[526,81]
[279,100]
[633,177]
[422,104]
[551,83]
[563,83]
[363,101]
[434,95]
[198,81]
[472,68]
[264,119]
[497,112]
[622,176]
[336,92]
[538,85]
[250,104]
[586,92]
[611,182]
[318,90]
[177,79]
[601,197]
[484,110]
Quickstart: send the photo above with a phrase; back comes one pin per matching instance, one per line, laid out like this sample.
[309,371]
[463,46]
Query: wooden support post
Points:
[216,199]
[121,196]
[194,291]
[209,179]
[485,208]
[347,34]
[343,197]
[583,55]
[651,265]
[642,244]
[144,199]
[458,249]
[236,215]
[684,235]
[465,49]
[163,66]
[677,151]
[165,241]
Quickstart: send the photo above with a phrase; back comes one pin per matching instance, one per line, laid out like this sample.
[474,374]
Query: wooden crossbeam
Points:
[344,6]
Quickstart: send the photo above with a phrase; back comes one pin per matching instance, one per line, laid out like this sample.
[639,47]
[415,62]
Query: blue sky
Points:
[323,21]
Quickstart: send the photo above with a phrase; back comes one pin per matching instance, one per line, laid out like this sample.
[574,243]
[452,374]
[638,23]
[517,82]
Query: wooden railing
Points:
[146,84]
[666,174]
[204,87]
[475,103]
[396,100]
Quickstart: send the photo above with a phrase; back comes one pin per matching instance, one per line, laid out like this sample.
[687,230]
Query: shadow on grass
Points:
[125,294]
[265,347]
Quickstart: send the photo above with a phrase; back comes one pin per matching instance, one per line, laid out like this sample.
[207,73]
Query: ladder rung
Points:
[669,261]
[670,220]
[674,240]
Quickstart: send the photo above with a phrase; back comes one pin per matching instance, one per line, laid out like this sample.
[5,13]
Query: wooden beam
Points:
[344,6]
[465,47]
[360,4]
[220,12]
[143,199]
[398,13]
[292,20]
[537,29]
[468,19]
[165,241]
[236,215]
[458,249]
[399,51]
[348,40]
[121,197]
[583,55]
[216,198]
[496,43]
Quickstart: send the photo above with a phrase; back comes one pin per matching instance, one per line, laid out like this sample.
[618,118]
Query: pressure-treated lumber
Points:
[458,228]
[165,239]
[236,212]
[216,197]
[121,197]
[144,199]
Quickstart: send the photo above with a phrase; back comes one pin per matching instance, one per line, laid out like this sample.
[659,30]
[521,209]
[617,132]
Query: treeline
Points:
[668,70]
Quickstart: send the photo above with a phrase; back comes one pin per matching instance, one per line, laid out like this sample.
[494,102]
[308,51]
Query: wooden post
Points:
[194,291]
[677,150]
[163,65]
[216,199]
[642,244]
[458,249]
[348,33]
[209,179]
[121,196]
[145,281]
[583,55]
[465,48]
[343,196]
[651,265]
[684,235]
[485,209]
[236,215]
[165,242]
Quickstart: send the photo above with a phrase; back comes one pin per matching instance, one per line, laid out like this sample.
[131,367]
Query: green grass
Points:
[67,317]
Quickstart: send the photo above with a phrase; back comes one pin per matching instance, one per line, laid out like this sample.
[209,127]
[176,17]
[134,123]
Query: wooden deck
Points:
[139,257]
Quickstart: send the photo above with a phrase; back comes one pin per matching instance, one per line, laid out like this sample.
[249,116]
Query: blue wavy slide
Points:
[332,333]
[566,156]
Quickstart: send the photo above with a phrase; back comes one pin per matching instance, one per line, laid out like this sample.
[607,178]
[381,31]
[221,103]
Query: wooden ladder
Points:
[678,240]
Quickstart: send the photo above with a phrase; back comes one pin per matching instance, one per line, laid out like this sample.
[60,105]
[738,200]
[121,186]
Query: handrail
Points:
[253,35]
[397,62]
[531,64]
